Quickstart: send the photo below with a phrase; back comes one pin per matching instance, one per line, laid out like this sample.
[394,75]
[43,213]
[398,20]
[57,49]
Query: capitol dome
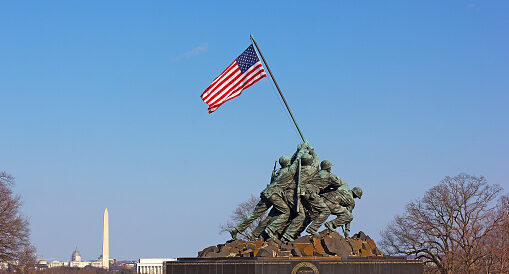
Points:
[76,257]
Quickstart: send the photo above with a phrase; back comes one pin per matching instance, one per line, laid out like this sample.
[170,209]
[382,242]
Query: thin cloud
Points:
[472,6]
[193,52]
[197,50]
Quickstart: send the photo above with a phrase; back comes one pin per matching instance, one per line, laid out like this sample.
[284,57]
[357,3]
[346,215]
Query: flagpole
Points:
[277,86]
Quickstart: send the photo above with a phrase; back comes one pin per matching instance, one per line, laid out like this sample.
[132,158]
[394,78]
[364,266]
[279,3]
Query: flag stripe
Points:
[234,73]
[238,83]
[225,87]
[254,76]
[230,66]
[243,72]
[238,91]
[220,79]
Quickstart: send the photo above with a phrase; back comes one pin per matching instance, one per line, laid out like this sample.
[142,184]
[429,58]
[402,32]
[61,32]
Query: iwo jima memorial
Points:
[301,195]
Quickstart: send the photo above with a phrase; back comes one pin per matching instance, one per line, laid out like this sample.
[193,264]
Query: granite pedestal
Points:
[293,265]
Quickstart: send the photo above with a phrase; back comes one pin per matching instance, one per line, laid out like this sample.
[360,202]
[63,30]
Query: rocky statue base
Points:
[327,253]
[327,244]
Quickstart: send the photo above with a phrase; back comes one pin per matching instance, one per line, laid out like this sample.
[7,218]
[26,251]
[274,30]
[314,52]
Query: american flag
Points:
[241,74]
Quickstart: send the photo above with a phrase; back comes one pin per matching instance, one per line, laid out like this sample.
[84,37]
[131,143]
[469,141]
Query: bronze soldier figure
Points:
[272,196]
[309,167]
[319,211]
[283,178]
[341,203]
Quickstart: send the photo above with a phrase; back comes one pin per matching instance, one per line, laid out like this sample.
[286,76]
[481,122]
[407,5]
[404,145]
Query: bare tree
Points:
[239,213]
[449,226]
[496,245]
[14,227]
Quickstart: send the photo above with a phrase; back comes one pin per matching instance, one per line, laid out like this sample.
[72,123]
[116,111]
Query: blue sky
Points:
[100,108]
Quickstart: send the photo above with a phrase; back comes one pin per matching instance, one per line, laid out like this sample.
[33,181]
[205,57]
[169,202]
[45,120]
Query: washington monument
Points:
[106,241]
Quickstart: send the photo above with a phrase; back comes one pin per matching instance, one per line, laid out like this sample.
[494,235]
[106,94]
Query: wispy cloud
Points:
[472,6]
[193,52]
[197,50]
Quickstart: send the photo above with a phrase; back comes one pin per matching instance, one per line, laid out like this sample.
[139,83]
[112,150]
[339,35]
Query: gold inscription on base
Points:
[305,268]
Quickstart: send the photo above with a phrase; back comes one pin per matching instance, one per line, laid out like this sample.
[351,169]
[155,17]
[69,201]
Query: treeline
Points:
[63,270]
[15,243]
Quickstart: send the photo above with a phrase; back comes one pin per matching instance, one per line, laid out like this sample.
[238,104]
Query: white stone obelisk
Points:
[106,242]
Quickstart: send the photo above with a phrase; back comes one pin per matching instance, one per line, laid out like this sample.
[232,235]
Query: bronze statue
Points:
[271,196]
[300,197]
[309,168]
[341,203]
[319,211]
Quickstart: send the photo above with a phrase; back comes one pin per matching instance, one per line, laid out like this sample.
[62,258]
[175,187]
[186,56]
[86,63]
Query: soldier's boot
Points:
[346,231]
[233,233]
[312,231]
[330,226]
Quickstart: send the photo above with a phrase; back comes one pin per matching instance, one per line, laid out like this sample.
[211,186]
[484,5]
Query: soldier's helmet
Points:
[284,161]
[357,191]
[325,164]
[306,160]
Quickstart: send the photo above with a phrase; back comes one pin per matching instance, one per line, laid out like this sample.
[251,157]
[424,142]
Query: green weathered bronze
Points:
[272,196]
[341,203]
[301,197]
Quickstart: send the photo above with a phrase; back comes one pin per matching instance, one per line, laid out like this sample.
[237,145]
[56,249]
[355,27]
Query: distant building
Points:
[119,265]
[41,264]
[151,266]
[57,264]
[76,257]
[76,260]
